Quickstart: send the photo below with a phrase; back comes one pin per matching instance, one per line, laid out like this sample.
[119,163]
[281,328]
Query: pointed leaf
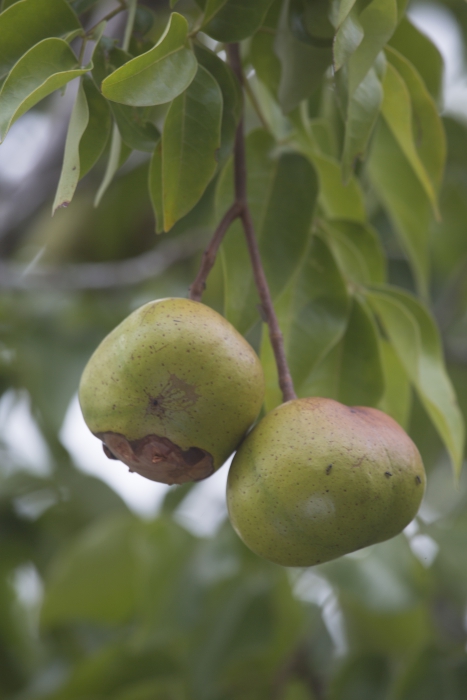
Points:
[402,195]
[28,22]
[348,37]
[234,20]
[378,20]
[427,127]
[232,99]
[190,142]
[49,65]
[71,163]
[97,133]
[422,53]
[116,155]
[357,250]
[397,111]
[414,336]
[157,76]
[362,114]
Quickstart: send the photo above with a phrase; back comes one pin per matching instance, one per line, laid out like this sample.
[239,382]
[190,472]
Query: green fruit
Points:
[172,390]
[316,479]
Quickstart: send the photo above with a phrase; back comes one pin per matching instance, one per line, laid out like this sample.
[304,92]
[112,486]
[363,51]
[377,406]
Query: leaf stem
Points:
[108,16]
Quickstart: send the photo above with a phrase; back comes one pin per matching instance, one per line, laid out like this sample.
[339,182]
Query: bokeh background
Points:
[112,586]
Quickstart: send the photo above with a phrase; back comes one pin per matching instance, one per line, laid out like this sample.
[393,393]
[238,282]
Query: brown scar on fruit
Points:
[158,459]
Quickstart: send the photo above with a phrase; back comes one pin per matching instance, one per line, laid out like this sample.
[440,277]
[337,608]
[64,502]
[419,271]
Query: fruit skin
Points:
[316,479]
[172,390]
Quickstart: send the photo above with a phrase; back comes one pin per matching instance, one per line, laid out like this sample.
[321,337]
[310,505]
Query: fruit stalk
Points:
[240,178]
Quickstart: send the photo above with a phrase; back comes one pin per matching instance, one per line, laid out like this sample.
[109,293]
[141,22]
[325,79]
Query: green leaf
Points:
[138,133]
[234,20]
[81,6]
[402,195]
[313,312]
[231,97]
[378,20]
[422,53]
[303,65]
[281,193]
[361,377]
[364,678]
[190,143]
[362,113]
[97,133]
[357,250]
[397,111]
[262,55]
[414,336]
[396,400]
[155,187]
[108,594]
[117,156]
[69,176]
[427,127]
[348,37]
[28,22]
[49,65]
[157,76]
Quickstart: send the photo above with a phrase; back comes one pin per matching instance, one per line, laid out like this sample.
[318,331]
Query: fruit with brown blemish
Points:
[316,479]
[172,390]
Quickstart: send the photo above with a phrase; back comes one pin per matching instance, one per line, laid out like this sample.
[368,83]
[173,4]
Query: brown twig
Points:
[240,179]
[240,209]
[209,255]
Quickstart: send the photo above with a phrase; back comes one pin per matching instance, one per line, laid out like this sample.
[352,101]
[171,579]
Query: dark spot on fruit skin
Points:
[387,475]
[418,480]
[328,469]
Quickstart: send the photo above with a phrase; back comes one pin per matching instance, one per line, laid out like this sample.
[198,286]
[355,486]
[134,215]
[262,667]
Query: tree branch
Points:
[240,179]
[210,254]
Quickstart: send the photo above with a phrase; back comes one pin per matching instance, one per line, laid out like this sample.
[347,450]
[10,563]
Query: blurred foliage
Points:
[345,191]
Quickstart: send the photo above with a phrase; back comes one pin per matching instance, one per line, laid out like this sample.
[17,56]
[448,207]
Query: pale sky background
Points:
[204,509]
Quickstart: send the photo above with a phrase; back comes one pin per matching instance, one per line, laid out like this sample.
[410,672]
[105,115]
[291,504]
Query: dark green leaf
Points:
[361,378]
[349,36]
[27,22]
[234,20]
[313,313]
[262,54]
[402,195]
[231,97]
[282,193]
[362,113]
[138,133]
[190,144]
[49,65]
[378,20]
[303,65]
[158,75]
[397,398]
